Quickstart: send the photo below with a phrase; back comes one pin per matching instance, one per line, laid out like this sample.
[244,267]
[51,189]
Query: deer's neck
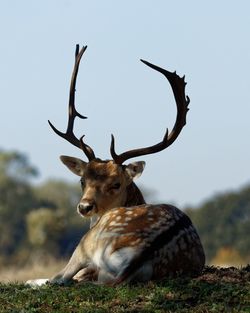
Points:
[134,196]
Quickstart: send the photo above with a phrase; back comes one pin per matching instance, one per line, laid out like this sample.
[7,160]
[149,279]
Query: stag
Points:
[128,239]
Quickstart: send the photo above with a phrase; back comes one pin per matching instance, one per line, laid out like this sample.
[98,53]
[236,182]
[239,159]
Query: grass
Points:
[216,290]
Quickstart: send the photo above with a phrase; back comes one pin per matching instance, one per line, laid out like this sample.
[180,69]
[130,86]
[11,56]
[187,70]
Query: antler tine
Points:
[73,113]
[182,101]
[87,150]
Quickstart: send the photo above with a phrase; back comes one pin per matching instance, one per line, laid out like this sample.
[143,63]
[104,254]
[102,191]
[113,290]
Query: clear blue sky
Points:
[208,41]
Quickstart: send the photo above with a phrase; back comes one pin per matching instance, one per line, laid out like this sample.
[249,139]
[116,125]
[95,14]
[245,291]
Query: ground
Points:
[216,290]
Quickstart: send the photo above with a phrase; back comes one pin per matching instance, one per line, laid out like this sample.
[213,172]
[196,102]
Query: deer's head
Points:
[105,184]
[108,184]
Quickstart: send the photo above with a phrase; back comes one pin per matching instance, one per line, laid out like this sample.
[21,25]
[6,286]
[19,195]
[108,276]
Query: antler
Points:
[69,135]
[178,86]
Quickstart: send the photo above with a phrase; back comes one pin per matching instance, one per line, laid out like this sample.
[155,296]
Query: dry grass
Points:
[32,270]
[43,268]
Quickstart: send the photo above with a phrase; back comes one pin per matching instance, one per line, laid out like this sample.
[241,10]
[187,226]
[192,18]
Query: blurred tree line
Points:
[39,221]
[223,223]
[35,221]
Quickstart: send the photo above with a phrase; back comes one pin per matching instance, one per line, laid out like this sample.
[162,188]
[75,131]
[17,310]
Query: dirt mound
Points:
[228,274]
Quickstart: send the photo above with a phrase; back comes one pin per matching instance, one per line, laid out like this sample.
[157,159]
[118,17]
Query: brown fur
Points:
[129,239]
[99,180]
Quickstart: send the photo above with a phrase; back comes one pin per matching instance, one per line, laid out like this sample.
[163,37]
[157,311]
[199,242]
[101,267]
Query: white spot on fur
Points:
[127,219]
[114,223]
[135,242]
[151,219]
[119,229]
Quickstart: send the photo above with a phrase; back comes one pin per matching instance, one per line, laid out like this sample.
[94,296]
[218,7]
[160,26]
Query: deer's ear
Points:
[77,166]
[135,169]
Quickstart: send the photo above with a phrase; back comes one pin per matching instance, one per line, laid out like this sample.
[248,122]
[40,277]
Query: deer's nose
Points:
[85,207]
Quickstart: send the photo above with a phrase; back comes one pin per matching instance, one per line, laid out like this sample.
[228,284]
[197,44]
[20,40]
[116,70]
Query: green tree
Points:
[224,222]
[58,194]
[27,211]
[44,229]
[62,198]
[16,199]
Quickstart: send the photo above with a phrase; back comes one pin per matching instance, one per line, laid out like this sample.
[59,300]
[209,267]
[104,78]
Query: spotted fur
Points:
[159,238]
[128,239]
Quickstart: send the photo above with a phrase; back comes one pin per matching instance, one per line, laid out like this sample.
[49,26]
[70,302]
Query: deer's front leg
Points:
[87,274]
[77,262]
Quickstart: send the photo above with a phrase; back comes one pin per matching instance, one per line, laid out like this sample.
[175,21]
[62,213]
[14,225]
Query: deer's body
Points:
[138,244]
[129,240]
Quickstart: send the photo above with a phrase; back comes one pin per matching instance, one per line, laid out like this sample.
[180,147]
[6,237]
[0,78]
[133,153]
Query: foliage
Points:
[224,222]
[61,199]
[44,227]
[217,290]
[57,194]
[16,199]
[50,207]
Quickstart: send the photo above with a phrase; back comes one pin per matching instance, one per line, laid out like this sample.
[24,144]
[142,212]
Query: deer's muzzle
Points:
[84,208]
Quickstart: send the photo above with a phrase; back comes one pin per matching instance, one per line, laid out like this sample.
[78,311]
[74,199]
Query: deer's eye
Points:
[116,186]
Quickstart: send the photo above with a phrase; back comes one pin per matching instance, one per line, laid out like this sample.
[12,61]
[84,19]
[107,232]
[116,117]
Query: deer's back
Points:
[160,238]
